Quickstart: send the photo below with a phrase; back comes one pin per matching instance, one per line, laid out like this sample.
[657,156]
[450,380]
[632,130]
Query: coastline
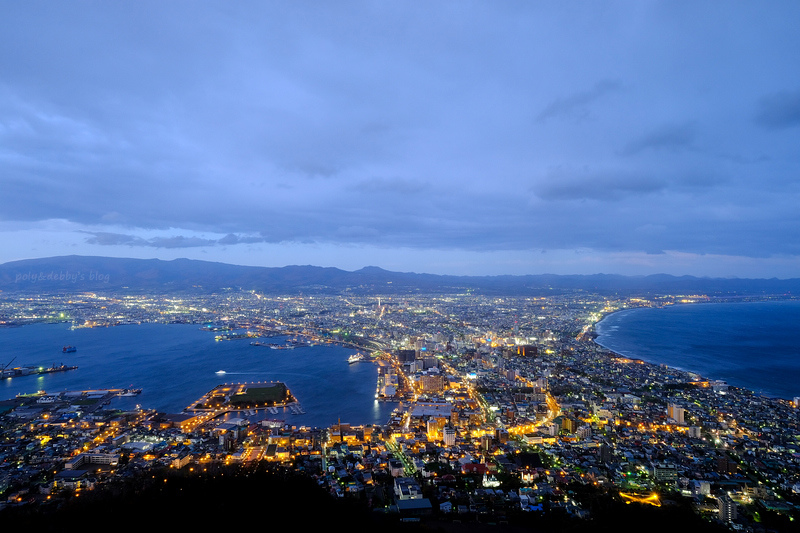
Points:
[694,371]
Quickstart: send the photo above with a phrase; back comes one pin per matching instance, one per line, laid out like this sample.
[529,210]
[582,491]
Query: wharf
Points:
[33,371]
[243,396]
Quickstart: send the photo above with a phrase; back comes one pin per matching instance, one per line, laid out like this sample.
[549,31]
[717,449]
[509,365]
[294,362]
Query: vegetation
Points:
[277,393]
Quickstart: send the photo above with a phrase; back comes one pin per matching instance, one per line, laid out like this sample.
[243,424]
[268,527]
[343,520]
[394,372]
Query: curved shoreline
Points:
[703,375]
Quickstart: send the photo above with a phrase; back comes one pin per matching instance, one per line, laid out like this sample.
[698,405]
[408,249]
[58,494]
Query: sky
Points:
[448,137]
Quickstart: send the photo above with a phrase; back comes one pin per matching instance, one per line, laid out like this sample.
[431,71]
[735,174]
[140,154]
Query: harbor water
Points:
[175,364]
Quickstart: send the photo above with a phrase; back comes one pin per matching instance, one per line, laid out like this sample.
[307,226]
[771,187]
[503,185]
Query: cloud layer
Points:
[459,126]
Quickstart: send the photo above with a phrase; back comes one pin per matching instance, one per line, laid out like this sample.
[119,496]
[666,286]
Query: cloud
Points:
[250,126]
[670,137]
[577,104]
[177,241]
[390,186]
[231,239]
[579,185]
[779,110]
[115,239]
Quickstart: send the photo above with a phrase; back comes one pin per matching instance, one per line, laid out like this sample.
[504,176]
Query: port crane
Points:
[2,370]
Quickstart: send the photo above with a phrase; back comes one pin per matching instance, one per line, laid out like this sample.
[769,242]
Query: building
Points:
[676,413]
[406,355]
[109,459]
[727,509]
[664,472]
[449,436]
[405,488]
[432,382]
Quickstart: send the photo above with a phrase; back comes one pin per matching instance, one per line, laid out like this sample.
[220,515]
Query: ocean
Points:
[755,345]
[175,364]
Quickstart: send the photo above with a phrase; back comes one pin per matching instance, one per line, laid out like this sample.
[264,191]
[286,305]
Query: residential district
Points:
[506,407]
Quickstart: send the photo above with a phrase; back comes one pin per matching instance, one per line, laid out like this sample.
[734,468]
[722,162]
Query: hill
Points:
[74,273]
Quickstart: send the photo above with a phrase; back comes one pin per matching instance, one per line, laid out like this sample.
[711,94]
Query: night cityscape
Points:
[506,409]
[451,266]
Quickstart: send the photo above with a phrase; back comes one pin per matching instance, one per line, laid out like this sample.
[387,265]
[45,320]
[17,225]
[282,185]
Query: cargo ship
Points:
[69,349]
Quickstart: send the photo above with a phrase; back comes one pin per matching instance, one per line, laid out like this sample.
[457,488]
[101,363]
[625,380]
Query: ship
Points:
[355,358]
[69,349]
[294,343]
[130,392]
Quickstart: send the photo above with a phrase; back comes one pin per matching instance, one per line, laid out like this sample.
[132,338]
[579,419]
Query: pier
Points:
[33,371]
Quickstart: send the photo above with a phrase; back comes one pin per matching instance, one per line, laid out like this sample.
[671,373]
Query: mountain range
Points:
[74,273]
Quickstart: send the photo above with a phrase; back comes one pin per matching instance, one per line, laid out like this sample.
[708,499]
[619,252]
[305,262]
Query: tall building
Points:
[727,509]
[449,436]
[605,453]
[677,413]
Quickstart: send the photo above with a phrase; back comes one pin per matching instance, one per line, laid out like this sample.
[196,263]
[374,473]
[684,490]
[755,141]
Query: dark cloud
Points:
[176,241]
[179,241]
[670,137]
[115,239]
[564,185]
[576,105]
[779,111]
[230,238]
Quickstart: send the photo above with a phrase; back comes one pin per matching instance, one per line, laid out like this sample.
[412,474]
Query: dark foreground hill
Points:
[81,273]
[268,496]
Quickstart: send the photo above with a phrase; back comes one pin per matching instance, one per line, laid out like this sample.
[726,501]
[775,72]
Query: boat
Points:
[130,392]
[355,358]
[69,349]
[220,372]
[294,343]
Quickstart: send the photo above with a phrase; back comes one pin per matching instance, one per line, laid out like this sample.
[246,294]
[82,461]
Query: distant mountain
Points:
[74,273]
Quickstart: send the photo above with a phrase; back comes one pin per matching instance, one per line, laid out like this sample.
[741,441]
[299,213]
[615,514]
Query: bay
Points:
[755,345]
[175,364]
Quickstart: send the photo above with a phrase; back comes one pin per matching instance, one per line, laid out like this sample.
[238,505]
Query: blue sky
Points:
[445,137]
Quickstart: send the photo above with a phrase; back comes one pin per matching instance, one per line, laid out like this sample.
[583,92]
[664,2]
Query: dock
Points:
[33,371]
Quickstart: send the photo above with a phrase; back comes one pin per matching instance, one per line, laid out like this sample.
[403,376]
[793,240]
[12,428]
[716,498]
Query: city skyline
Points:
[454,138]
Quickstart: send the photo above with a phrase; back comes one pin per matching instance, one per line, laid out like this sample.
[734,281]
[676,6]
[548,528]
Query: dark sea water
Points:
[176,364]
[755,345]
